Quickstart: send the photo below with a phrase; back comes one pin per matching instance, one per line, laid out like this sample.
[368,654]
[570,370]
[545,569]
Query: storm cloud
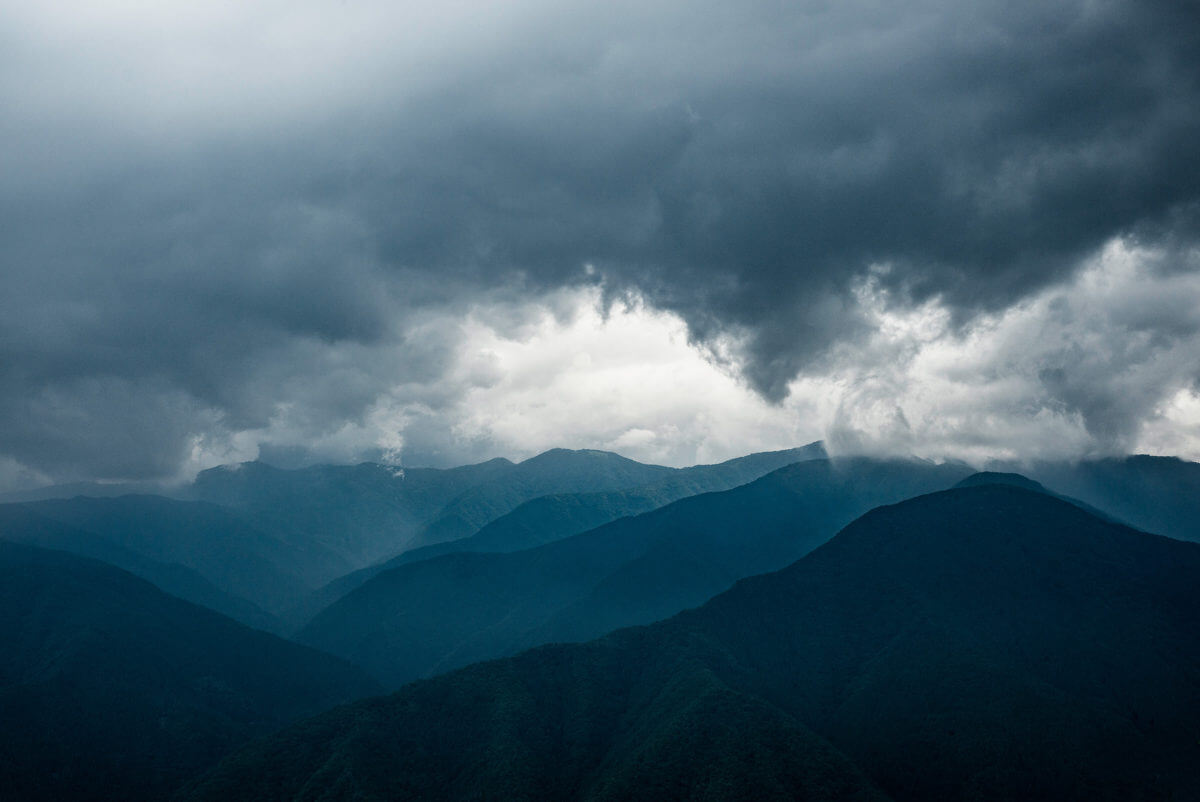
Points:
[227,221]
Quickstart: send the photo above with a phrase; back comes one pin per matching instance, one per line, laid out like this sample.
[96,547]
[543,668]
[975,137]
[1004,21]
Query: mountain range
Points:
[785,625]
[986,642]
[430,616]
[261,543]
[553,517]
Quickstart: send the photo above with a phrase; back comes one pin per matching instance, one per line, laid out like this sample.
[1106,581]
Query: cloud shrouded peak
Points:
[294,224]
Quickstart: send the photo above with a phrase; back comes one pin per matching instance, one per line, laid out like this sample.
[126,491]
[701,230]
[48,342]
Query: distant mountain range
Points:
[556,471]
[258,542]
[237,557]
[551,517]
[22,523]
[273,548]
[430,616]
[986,642]
[557,516]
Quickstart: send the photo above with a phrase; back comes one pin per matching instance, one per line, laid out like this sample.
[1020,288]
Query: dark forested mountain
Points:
[441,613]
[554,517]
[1002,478]
[239,559]
[1017,480]
[986,642]
[111,689]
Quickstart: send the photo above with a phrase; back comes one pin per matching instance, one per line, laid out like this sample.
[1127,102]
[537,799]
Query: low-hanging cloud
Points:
[1104,364]
[221,218]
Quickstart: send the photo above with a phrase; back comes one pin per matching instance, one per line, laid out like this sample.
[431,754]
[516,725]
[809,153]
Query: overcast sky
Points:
[431,233]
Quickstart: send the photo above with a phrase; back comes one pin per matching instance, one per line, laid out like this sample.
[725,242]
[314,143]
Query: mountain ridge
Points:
[547,518]
[450,610]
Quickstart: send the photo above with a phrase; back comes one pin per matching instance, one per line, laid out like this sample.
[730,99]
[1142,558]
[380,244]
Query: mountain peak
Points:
[575,457]
[1001,478]
[985,526]
[568,453]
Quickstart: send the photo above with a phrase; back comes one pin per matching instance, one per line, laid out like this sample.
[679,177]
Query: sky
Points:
[434,233]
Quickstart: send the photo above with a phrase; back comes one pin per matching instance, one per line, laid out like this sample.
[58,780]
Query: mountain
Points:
[339,518]
[18,524]
[985,642]
[431,616]
[111,689]
[234,556]
[560,515]
[1156,494]
[336,519]
[90,489]
[554,517]
[559,470]
[1017,480]
[1002,478]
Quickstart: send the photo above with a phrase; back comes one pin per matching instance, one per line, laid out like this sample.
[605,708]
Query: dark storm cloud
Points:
[980,151]
[193,256]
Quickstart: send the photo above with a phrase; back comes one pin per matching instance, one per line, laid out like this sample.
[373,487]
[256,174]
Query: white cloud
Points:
[627,380]
[15,476]
[1102,364]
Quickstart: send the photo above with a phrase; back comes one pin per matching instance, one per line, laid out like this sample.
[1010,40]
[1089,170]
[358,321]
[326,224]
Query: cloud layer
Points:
[294,225]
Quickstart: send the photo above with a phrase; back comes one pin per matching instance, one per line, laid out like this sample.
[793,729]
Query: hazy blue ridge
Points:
[1156,494]
[238,558]
[20,524]
[560,515]
[431,616]
[340,518]
[554,517]
[559,470]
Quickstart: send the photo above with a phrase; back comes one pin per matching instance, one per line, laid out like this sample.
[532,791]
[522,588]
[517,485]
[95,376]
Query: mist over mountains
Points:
[440,613]
[271,537]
